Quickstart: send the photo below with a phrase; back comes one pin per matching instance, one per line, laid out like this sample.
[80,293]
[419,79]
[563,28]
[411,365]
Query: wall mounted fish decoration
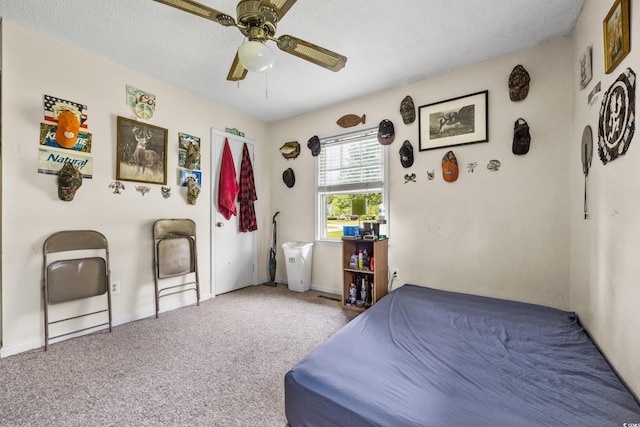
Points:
[290,150]
[350,120]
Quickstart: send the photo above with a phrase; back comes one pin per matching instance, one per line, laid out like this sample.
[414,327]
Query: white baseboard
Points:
[32,345]
[315,287]
[325,289]
[39,343]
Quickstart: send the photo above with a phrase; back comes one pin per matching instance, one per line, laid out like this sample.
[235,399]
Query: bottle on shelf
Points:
[360,260]
[353,262]
[382,222]
[369,293]
[352,294]
[382,213]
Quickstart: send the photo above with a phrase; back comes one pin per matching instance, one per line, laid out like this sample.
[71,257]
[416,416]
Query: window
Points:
[351,168]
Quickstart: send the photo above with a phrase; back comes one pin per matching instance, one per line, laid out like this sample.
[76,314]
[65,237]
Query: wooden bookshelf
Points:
[376,278]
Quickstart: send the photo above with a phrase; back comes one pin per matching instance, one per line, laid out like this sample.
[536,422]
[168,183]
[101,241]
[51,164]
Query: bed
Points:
[427,357]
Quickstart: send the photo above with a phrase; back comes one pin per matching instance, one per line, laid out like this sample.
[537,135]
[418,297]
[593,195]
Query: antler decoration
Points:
[142,189]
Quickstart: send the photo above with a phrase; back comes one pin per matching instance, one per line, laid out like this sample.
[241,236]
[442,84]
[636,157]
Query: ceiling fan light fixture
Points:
[256,56]
[258,20]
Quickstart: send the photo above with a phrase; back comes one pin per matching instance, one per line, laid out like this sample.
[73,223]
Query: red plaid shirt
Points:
[247,194]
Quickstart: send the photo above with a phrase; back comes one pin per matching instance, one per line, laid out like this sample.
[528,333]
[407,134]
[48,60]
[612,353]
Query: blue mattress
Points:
[425,357]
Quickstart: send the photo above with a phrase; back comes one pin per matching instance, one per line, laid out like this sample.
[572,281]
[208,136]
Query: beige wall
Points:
[34,65]
[505,233]
[605,249]
[518,233]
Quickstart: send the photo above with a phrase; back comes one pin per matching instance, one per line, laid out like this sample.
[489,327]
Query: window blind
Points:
[351,162]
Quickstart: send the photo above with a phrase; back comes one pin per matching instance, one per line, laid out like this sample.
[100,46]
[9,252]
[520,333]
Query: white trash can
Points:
[298,257]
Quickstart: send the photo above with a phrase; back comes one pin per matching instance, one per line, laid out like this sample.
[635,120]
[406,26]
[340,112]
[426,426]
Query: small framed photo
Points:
[616,35]
[185,174]
[142,152]
[585,67]
[455,121]
[188,151]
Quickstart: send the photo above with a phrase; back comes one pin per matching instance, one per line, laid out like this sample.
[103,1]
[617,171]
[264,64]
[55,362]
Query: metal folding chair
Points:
[70,277]
[175,254]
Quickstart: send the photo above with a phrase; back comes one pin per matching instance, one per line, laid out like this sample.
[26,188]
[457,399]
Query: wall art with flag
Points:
[51,155]
[54,106]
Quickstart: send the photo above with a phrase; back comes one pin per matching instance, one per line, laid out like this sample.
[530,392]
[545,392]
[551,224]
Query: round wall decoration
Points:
[617,117]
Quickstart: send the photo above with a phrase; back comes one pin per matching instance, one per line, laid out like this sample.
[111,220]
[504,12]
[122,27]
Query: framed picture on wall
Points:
[188,151]
[616,35]
[142,152]
[585,67]
[456,121]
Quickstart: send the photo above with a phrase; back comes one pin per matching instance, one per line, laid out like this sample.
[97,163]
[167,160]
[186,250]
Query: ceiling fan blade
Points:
[281,7]
[201,11]
[237,71]
[318,55]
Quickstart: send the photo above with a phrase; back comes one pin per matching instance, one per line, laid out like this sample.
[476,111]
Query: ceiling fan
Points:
[257,20]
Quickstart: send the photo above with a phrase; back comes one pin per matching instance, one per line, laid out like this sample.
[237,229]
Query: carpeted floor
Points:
[220,364]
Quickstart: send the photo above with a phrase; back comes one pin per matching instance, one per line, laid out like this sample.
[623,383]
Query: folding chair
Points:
[175,254]
[69,277]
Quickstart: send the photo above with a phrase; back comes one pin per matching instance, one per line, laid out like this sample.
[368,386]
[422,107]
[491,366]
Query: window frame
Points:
[320,220]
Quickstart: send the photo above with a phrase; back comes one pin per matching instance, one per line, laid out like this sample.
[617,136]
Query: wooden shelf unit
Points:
[378,249]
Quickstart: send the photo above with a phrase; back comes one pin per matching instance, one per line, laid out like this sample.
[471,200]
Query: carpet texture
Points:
[219,364]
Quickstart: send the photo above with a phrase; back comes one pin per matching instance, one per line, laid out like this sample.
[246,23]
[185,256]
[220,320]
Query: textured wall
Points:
[605,248]
[34,65]
[505,233]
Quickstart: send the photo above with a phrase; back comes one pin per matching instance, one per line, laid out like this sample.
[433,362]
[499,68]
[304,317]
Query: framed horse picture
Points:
[142,152]
[455,121]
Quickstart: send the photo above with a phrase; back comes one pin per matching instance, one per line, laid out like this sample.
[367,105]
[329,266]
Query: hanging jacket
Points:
[227,184]
[247,194]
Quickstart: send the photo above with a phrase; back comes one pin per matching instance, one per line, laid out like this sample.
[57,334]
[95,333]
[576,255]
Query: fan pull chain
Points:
[266,86]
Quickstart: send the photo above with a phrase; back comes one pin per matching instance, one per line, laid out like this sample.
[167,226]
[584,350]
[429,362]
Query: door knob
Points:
[220,224]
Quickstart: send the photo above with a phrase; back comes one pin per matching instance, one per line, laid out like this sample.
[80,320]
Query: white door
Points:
[234,253]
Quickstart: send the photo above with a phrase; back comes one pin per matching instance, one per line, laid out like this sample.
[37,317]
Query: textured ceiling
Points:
[388,43]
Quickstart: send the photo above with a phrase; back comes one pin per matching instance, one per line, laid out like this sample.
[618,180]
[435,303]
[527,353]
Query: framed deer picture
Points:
[142,152]
[455,121]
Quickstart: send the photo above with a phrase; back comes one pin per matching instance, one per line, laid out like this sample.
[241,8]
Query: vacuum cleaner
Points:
[272,255]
